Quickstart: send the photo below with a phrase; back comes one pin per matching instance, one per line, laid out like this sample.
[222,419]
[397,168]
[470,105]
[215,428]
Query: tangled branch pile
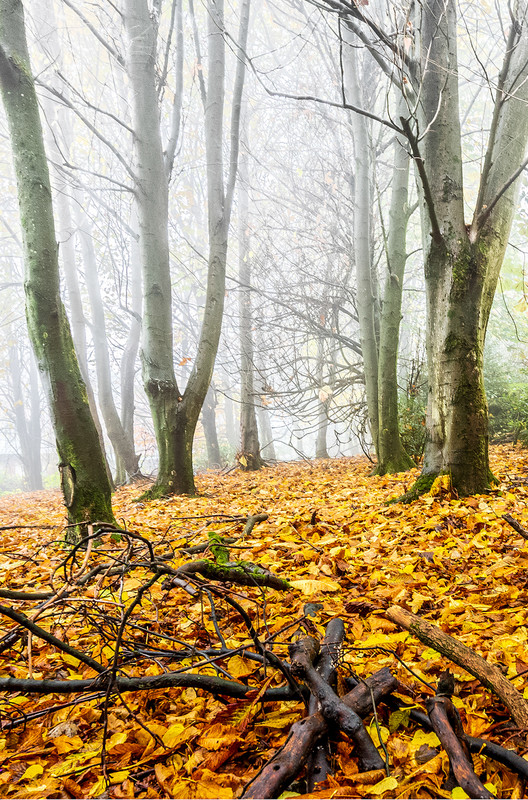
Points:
[149,663]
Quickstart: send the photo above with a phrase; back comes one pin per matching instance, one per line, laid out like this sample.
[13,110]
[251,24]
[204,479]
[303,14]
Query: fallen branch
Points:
[11,594]
[280,770]
[251,521]
[483,747]
[40,633]
[318,766]
[332,707]
[447,725]
[515,525]
[242,573]
[488,674]
[210,683]
[439,710]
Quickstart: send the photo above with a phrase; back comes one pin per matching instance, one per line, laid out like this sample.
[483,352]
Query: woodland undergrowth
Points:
[129,608]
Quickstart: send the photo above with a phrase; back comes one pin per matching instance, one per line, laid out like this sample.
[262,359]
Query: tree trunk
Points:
[58,137]
[34,427]
[366,298]
[121,441]
[249,457]
[392,456]
[214,459]
[152,208]
[462,263]
[230,422]
[322,414]
[87,491]
[175,415]
[266,437]
[27,432]
[128,361]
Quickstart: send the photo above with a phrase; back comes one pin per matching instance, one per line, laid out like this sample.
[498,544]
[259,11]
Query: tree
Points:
[392,456]
[379,330]
[462,261]
[86,487]
[27,418]
[175,414]
[249,457]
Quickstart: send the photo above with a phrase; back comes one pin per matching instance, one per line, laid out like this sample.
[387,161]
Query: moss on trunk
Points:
[88,491]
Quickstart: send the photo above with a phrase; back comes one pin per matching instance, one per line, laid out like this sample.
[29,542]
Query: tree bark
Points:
[122,443]
[175,415]
[214,459]
[152,208]
[322,415]
[365,292]
[488,674]
[462,263]
[89,494]
[391,453]
[266,438]
[128,360]
[440,709]
[27,425]
[249,439]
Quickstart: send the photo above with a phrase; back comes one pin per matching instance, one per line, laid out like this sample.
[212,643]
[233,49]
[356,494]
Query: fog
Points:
[291,345]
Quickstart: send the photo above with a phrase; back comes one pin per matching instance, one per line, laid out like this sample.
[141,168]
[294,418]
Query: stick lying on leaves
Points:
[334,711]
[515,525]
[488,674]
[280,770]
[446,723]
[318,765]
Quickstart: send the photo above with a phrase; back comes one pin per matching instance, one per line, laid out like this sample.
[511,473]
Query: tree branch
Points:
[120,60]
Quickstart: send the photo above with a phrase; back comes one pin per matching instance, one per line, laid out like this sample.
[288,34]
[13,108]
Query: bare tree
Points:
[86,487]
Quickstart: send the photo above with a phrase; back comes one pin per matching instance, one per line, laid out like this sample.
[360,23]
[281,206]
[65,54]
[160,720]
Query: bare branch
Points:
[120,60]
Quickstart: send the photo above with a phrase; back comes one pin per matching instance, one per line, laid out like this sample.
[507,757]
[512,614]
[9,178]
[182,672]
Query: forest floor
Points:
[345,552]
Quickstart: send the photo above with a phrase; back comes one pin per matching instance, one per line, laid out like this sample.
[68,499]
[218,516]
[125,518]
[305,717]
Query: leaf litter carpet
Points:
[345,552]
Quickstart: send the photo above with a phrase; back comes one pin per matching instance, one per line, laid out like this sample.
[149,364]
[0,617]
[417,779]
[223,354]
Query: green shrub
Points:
[412,425]
[508,414]
[412,408]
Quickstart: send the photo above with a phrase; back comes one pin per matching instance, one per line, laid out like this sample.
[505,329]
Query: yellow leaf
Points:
[441,485]
[67,744]
[375,735]
[217,736]
[417,602]
[240,667]
[386,785]
[458,793]
[74,662]
[420,738]
[116,742]
[173,735]
[119,777]
[32,772]
[98,788]
[163,773]
[311,587]
[242,460]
